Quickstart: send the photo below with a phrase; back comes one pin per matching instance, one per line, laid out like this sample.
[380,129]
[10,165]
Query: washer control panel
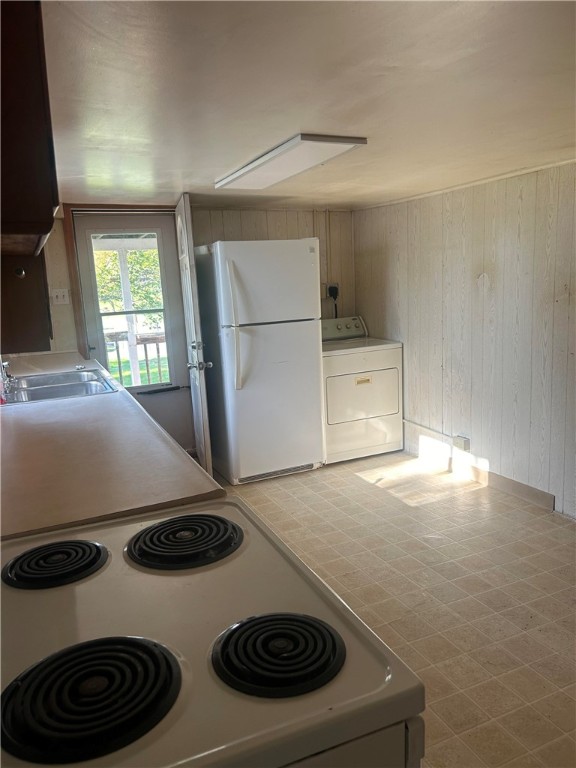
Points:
[343,328]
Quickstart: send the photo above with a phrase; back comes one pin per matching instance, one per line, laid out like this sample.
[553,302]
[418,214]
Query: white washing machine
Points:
[362,389]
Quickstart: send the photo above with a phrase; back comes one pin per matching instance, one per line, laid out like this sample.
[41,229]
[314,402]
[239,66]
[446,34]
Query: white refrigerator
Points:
[260,315]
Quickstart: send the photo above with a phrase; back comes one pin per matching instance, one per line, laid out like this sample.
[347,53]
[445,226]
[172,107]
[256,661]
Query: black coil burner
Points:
[88,700]
[188,541]
[52,565]
[278,655]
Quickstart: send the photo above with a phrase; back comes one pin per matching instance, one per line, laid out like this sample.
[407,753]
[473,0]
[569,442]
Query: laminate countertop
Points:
[82,459]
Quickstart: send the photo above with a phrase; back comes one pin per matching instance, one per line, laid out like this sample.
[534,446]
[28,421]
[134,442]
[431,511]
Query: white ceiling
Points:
[150,99]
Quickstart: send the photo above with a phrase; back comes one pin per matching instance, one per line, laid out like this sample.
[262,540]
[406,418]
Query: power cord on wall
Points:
[333,294]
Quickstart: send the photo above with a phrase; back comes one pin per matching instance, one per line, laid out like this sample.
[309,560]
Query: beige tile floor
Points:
[473,588]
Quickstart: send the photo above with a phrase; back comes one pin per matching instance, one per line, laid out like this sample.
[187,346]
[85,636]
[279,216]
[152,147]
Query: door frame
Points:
[68,209]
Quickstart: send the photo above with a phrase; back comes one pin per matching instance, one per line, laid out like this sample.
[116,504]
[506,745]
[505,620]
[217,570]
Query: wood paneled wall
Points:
[479,284]
[332,228]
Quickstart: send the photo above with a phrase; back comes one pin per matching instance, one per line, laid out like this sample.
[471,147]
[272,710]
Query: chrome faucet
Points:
[6,376]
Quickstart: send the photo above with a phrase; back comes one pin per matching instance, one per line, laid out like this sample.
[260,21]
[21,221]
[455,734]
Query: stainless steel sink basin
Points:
[52,379]
[52,386]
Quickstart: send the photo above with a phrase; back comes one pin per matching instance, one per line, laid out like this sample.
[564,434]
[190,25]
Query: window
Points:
[126,274]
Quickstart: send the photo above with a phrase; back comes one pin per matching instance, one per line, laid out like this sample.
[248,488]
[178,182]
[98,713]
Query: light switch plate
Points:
[60,295]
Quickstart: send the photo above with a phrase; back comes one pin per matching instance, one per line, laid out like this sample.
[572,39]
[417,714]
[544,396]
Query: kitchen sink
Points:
[55,379]
[52,386]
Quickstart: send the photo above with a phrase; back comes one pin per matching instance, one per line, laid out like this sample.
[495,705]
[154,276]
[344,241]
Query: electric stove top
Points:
[259,662]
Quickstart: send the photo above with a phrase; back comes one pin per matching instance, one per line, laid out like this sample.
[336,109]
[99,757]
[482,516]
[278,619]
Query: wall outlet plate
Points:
[324,288]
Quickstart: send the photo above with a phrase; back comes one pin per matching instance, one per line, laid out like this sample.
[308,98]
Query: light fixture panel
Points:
[298,154]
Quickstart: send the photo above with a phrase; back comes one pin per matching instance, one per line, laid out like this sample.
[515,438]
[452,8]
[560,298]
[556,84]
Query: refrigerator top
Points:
[266,281]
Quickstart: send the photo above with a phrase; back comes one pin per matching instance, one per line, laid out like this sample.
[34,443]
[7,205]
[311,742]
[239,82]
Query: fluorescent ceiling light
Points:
[298,154]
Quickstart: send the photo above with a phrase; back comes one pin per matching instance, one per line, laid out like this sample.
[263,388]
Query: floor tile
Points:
[436,684]
[441,617]
[493,744]
[559,754]
[436,648]
[555,636]
[494,697]
[412,627]
[467,637]
[524,593]
[525,617]
[496,626]
[453,753]
[469,608]
[530,727]
[463,671]
[527,760]
[557,668]
[448,592]
[459,712]
[525,648]
[472,584]
[528,684]
[412,657]
[436,729]
[495,659]
[558,709]
[497,599]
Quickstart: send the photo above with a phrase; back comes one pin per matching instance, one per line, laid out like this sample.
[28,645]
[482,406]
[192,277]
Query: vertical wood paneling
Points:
[376,272]
[448,247]
[563,377]
[277,225]
[254,225]
[340,264]
[362,261]
[493,334]
[306,224]
[399,282]
[475,236]
[217,225]
[461,300]
[478,284]
[542,326]
[292,231]
[569,501]
[232,225]
[413,350]
[201,227]
[518,285]
[431,323]
[333,230]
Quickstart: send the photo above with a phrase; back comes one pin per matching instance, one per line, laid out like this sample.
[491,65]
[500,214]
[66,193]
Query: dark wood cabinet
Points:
[26,324]
[29,188]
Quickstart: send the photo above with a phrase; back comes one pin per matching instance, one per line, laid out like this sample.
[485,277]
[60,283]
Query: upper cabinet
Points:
[29,189]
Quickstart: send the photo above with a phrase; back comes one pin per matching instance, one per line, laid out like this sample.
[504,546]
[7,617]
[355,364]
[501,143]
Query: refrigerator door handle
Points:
[231,272]
[237,359]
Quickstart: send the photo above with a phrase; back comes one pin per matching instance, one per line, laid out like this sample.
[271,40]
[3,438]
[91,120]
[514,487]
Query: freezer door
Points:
[273,399]
[267,281]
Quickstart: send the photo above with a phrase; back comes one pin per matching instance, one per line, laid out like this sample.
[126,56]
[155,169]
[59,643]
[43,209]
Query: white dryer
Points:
[362,389]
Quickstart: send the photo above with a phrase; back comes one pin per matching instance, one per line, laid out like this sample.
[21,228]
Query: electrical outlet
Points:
[327,289]
[333,290]
[60,295]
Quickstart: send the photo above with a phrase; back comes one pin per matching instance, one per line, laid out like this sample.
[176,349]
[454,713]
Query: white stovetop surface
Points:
[210,724]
